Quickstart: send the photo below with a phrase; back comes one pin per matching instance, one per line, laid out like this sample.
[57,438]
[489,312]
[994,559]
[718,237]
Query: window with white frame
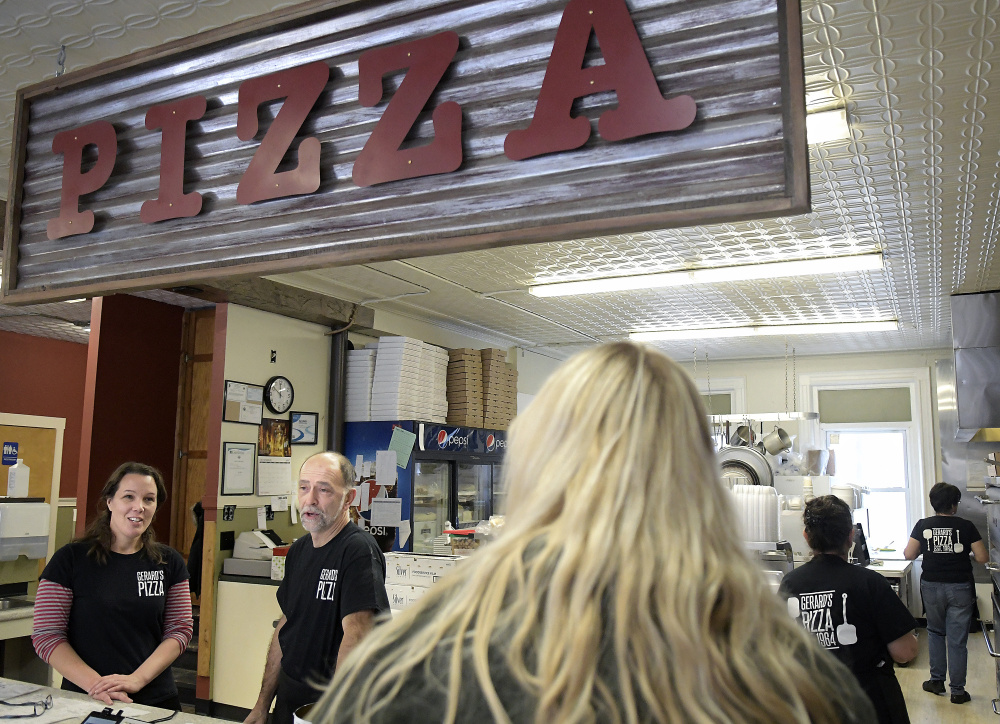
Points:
[874,457]
[880,440]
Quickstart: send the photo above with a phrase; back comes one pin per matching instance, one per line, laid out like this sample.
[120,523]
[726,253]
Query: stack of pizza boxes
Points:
[408,382]
[360,372]
[499,389]
[465,388]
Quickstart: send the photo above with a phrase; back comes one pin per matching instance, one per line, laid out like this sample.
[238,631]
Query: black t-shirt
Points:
[116,620]
[819,593]
[945,542]
[321,586]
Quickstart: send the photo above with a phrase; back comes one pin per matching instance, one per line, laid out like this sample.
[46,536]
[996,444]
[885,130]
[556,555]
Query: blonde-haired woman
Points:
[618,592]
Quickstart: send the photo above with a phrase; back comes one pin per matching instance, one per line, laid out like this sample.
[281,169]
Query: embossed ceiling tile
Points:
[60,320]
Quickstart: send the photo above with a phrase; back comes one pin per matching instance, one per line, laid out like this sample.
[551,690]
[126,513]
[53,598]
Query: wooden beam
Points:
[269,296]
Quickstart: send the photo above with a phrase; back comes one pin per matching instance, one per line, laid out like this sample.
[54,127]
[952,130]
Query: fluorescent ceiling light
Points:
[76,301]
[766,330]
[712,275]
[826,126]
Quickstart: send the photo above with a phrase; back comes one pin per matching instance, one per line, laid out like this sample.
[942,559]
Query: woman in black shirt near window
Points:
[947,587]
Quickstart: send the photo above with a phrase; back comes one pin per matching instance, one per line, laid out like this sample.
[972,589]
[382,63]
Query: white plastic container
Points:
[17,480]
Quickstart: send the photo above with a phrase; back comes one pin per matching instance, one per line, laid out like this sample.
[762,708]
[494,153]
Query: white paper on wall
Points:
[385,467]
[386,512]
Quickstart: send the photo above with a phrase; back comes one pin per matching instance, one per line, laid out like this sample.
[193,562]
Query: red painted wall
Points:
[46,377]
[132,378]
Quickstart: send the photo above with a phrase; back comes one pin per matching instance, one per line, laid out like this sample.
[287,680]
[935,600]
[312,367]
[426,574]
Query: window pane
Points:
[870,459]
[886,522]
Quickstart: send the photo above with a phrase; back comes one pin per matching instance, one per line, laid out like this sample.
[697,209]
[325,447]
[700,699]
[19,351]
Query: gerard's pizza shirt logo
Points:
[815,610]
[150,583]
[327,584]
[942,540]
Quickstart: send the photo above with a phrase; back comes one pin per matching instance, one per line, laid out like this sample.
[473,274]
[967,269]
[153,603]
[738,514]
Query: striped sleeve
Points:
[178,623]
[52,606]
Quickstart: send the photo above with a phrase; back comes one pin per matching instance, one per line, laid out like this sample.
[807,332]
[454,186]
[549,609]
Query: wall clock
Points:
[278,395]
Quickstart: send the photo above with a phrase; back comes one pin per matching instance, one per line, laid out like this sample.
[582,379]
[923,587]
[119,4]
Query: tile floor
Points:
[927,708]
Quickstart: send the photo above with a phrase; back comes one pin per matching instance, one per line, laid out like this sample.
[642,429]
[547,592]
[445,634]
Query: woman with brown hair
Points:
[113,609]
[619,590]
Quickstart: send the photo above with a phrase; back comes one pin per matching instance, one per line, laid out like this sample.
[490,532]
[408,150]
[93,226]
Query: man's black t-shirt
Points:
[321,586]
[116,620]
[854,614]
[945,542]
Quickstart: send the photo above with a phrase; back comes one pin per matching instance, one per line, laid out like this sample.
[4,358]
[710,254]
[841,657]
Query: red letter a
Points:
[641,108]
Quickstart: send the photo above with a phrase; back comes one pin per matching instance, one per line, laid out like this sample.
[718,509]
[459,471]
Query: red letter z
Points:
[426,61]
[300,86]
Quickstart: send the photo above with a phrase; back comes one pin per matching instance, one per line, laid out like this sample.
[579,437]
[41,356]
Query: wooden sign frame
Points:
[171,196]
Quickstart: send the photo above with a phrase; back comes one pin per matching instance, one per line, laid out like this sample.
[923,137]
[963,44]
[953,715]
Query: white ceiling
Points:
[919,180]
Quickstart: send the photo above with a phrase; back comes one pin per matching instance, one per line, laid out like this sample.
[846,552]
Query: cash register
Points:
[252,553]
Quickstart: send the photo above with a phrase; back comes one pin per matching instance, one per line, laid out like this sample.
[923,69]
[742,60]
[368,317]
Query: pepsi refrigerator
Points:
[453,474]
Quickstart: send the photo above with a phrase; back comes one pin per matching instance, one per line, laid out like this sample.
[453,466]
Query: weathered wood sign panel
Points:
[321,136]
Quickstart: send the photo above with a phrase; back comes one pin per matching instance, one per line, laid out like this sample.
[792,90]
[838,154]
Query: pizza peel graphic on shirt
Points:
[958,546]
[793,606]
[847,634]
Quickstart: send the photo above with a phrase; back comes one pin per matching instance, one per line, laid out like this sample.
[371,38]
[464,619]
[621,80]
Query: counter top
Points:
[893,567]
[258,580]
[16,622]
[18,612]
[73,707]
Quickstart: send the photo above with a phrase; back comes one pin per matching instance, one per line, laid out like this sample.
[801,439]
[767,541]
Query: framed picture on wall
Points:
[244,403]
[239,461]
[305,427]
[273,438]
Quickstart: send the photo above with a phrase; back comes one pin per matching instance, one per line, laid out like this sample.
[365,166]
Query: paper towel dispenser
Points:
[24,528]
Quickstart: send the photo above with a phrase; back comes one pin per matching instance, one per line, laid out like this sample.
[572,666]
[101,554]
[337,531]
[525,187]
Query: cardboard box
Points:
[425,570]
[398,596]
[278,555]
[397,568]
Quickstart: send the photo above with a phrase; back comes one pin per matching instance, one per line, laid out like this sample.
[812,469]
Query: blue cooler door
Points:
[499,491]
[472,491]
[431,502]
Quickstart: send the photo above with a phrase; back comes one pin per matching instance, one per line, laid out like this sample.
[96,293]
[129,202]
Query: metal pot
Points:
[743,436]
[302,714]
[776,441]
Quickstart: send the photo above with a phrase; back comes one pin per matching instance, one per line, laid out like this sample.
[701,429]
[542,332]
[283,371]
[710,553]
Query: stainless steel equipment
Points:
[976,338]
[990,501]
[745,466]
[775,559]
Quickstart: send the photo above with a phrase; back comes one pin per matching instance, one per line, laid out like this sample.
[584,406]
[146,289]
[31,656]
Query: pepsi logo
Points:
[491,442]
[442,438]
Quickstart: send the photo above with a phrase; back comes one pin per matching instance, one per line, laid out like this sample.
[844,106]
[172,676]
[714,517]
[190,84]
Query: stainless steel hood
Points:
[975,323]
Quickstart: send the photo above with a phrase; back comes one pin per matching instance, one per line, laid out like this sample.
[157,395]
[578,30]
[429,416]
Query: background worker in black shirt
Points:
[853,611]
[947,587]
[334,585]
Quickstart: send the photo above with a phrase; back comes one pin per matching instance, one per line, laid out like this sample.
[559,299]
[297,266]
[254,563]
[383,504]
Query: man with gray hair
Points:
[334,585]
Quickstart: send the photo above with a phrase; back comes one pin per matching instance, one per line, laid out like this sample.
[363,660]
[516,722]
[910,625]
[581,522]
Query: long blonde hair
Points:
[619,588]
